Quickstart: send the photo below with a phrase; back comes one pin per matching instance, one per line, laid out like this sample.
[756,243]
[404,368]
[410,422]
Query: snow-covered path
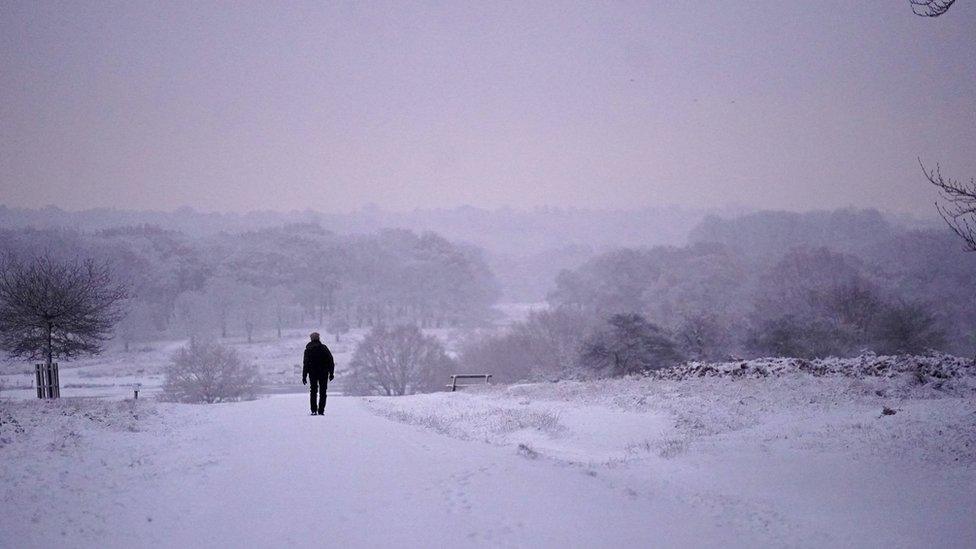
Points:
[265,474]
[354,479]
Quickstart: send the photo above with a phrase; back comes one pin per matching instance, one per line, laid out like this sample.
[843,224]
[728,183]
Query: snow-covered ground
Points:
[114,373]
[791,458]
[776,454]
[263,474]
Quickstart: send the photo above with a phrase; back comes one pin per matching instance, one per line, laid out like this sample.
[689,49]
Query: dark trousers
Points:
[317,386]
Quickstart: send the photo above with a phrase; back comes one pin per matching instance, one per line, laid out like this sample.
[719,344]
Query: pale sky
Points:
[240,106]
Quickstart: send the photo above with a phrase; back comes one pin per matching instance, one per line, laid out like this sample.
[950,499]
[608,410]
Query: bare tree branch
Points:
[958,206]
[51,308]
[931,8]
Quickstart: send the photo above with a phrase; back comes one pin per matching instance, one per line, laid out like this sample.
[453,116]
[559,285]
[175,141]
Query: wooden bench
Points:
[454,380]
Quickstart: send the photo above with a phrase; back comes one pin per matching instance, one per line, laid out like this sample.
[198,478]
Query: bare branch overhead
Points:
[931,8]
[958,204]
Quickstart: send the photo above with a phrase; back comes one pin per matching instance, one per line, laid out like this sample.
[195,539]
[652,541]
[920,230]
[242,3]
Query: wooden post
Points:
[39,381]
[48,381]
[55,381]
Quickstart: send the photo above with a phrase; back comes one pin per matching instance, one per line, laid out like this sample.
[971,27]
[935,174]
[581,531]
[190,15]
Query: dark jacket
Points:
[318,362]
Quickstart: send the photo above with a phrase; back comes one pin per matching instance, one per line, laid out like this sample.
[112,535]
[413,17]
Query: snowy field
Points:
[775,456]
[781,458]
[115,373]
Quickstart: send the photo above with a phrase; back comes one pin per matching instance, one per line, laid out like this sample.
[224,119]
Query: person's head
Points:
[314,336]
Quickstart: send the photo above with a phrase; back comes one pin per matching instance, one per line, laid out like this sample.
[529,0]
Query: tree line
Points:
[766,284]
[261,282]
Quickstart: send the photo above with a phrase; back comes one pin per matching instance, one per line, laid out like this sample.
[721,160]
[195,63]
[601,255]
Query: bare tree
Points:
[279,299]
[543,346]
[931,8]
[138,325]
[51,308]
[253,310]
[398,361]
[223,294]
[193,315]
[703,336]
[338,326]
[958,206]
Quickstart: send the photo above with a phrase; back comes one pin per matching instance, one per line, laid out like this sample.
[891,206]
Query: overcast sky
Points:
[771,104]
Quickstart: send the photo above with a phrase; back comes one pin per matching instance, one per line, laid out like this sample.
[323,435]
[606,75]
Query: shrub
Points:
[209,372]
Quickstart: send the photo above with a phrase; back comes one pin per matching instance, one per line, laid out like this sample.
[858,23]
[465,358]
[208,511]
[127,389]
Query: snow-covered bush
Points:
[944,372]
[208,372]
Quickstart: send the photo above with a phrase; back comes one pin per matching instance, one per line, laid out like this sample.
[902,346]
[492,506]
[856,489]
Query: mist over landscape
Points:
[535,275]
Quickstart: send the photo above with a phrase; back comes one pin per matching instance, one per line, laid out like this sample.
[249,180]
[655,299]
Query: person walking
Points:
[318,366]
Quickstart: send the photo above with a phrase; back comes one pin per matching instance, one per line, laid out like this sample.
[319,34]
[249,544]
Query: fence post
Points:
[48,381]
[40,382]
[55,381]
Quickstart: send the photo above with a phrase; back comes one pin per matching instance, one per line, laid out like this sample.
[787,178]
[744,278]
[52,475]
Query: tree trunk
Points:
[50,345]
